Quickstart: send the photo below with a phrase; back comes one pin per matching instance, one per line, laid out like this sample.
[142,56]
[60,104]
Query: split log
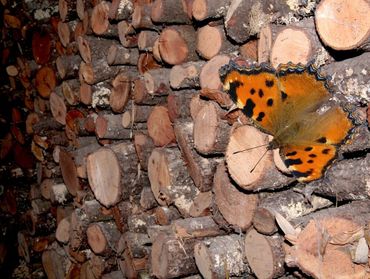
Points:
[143,146]
[159,126]
[336,24]
[209,76]
[147,61]
[177,44]
[169,179]
[186,75]
[126,34]
[69,172]
[117,165]
[291,204]
[103,238]
[269,261]
[71,91]
[67,10]
[253,168]
[146,39]
[314,251]
[220,257]
[200,169]
[211,40]
[209,9]
[235,206]
[170,12]
[68,65]
[211,134]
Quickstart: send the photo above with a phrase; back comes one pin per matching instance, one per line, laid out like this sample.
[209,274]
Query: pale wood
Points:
[209,76]
[206,9]
[160,127]
[186,75]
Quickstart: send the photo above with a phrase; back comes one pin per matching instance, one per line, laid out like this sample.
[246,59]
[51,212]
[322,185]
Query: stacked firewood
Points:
[137,172]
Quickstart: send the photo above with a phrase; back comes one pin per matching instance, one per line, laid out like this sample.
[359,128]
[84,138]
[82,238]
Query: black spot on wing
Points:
[290,162]
[325,151]
[321,140]
[260,93]
[248,108]
[232,91]
[261,115]
[299,174]
[283,96]
[293,153]
[270,102]
[310,161]
[312,155]
[252,91]
[269,83]
[309,148]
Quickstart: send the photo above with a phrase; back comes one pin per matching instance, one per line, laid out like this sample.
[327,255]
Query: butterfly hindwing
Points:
[308,162]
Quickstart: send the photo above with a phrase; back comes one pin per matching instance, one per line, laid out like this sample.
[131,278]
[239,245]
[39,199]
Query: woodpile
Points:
[138,169]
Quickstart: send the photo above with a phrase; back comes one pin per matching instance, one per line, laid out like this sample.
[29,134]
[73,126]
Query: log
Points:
[139,223]
[67,66]
[141,17]
[62,232]
[177,44]
[343,25]
[157,81]
[143,146]
[97,71]
[172,257]
[58,108]
[115,165]
[135,115]
[103,238]
[248,148]
[186,75]
[141,95]
[202,204]
[67,10]
[146,39]
[147,61]
[69,172]
[269,261]
[250,50]
[200,227]
[45,81]
[211,41]
[120,92]
[179,104]
[110,126]
[126,34]
[119,55]
[71,91]
[209,75]
[235,206]
[229,248]
[94,48]
[159,126]
[55,262]
[66,31]
[100,21]
[169,179]
[170,12]
[165,215]
[121,10]
[200,169]
[210,133]
[147,199]
[209,9]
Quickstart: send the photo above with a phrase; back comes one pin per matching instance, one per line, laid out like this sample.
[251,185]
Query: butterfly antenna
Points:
[263,155]
[254,147]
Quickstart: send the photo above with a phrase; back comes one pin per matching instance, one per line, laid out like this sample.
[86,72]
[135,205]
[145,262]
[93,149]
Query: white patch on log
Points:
[60,192]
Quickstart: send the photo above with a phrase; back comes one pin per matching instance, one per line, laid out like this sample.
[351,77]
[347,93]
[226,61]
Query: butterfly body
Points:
[290,103]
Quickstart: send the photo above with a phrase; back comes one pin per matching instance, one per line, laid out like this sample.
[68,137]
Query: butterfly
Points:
[289,103]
